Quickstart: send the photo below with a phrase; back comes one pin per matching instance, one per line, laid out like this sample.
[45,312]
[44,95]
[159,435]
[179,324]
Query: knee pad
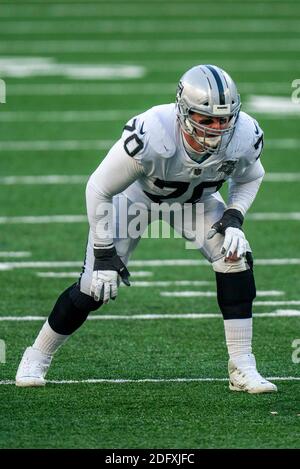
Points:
[71,310]
[82,301]
[229,267]
[236,292]
[249,260]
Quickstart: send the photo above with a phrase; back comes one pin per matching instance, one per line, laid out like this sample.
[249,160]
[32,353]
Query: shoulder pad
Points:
[158,137]
[133,137]
[147,134]
[247,141]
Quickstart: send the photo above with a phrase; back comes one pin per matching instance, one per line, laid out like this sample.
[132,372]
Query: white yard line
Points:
[139,284]
[274,104]
[283,143]
[249,65]
[43,179]
[46,66]
[103,9]
[277,303]
[39,265]
[291,112]
[130,88]
[119,26]
[67,116]
[148,380]
[281,177]
[134,317]
[42,219]
[139,263]
[192,293]
[276,216]
[82,179]
[15,253]
[73,145]
[56,145]
[143,46]
[138,273]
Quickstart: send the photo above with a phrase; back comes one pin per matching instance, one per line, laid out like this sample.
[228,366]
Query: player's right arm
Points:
[116,172]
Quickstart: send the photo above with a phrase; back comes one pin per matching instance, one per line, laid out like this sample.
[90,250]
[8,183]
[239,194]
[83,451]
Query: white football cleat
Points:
[33,368]
[243,376]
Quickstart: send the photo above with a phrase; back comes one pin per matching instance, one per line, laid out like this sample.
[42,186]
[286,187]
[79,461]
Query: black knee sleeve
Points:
[236,293]
[249,259]
[71,310]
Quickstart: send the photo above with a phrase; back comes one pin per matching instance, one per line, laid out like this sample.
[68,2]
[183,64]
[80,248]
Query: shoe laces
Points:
[250,372]
[35,367]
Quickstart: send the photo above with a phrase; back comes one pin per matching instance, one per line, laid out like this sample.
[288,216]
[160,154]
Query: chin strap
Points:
[189,148]
[198,157]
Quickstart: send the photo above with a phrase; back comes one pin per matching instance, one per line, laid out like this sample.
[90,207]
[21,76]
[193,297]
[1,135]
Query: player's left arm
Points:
[242,191]
[243,188]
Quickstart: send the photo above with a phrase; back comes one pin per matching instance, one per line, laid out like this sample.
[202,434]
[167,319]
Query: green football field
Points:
[150,369]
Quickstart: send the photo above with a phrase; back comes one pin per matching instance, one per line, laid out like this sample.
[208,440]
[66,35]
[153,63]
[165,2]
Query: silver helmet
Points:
[208,90]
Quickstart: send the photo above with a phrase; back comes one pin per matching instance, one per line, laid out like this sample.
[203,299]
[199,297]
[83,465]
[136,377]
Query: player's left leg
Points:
[236,292]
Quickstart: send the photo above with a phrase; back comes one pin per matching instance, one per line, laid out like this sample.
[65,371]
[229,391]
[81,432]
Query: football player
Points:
[180,152]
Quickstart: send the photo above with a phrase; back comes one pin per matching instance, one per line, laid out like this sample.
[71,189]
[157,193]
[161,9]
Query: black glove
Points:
[231,218]
[108,259]
[107,266]
[230,226]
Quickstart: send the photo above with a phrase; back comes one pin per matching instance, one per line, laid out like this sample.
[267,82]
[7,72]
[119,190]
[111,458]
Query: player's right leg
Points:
[69,313]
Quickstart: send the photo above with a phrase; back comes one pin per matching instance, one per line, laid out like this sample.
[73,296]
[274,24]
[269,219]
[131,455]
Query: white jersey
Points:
[154,140]
[150,165]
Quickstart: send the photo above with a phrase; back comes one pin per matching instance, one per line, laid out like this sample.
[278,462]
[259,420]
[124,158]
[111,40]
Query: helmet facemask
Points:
[210,139]
[208,91]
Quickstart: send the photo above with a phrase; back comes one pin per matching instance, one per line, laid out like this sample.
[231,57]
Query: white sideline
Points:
[82,179]
[147,380]
[279,313]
